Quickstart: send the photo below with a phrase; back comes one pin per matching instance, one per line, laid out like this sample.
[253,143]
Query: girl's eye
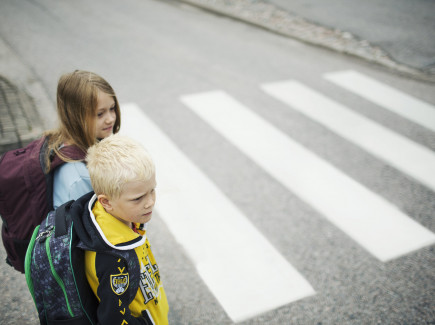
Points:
[112,108]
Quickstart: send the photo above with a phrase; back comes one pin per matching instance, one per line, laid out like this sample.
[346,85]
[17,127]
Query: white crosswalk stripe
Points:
[230,254]
[410,157]
[396,101]
[370,220]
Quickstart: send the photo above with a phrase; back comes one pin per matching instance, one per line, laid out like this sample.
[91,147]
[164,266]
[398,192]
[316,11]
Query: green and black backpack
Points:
[55,272]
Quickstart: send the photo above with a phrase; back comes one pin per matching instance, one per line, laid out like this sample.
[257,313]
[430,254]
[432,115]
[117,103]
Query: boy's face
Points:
[135,204]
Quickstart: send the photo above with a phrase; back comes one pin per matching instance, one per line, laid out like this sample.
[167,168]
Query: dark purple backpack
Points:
[26,194]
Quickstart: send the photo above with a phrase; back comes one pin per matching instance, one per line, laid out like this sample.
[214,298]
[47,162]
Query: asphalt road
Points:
[156,54]
[404,29]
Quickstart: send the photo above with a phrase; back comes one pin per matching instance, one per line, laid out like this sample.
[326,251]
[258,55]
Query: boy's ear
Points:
[105,202]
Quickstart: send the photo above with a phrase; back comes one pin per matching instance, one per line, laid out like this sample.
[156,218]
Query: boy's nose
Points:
[150,203]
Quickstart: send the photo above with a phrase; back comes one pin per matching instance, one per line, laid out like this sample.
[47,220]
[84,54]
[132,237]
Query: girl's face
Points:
[106,115]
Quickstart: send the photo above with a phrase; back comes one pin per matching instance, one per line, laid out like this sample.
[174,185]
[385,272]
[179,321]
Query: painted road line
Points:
[232,257]
[396,150]
[392,99]
[377,225]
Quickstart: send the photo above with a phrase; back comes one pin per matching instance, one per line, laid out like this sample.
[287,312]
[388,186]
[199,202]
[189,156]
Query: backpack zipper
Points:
[43,235]
[53,271]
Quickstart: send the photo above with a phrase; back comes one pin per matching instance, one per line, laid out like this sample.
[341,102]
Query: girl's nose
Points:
[111,118]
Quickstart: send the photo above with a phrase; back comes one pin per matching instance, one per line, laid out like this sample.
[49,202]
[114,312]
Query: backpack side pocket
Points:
[28,264]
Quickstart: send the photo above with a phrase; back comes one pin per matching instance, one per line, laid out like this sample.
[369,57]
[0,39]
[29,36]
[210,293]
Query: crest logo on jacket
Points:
[119,282]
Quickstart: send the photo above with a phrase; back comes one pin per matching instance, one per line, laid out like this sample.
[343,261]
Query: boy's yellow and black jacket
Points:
[119,267]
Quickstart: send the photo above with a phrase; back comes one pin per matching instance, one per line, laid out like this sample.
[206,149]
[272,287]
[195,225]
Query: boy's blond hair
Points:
[115,161]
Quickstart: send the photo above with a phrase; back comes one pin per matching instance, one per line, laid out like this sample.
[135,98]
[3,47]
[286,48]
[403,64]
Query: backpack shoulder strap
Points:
[71,152]
[61,219]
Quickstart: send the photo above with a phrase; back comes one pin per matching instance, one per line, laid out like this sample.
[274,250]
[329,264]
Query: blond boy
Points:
[119,265]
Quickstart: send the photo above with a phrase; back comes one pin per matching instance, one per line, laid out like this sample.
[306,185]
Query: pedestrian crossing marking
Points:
[232,257]
[378,226]
[392,99]
[396,150]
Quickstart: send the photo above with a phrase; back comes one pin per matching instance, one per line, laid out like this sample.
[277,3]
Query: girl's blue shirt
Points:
[71,181]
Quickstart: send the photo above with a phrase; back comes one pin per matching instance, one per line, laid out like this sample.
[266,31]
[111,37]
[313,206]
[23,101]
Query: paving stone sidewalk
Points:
[25,107]
[20,122]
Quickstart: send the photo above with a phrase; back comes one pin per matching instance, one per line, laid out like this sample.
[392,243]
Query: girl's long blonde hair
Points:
[77,100]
